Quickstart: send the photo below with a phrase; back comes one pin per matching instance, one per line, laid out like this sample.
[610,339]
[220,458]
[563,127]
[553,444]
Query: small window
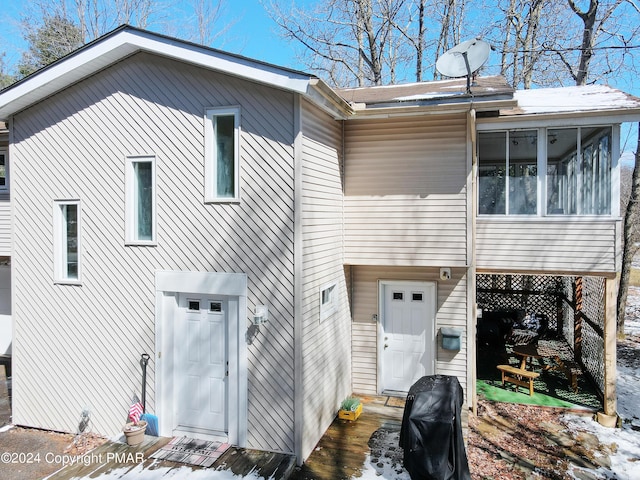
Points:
[398,296]
[215,307]
[328,300]
[416,297]
[194,305]
[221,166]
[4,170]
[67,241]
[141,201]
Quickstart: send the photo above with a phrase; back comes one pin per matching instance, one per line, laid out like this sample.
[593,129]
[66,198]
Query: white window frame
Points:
[60,252]
[210,155]
[542,166]
[5,153]
[131,226]
[329,307]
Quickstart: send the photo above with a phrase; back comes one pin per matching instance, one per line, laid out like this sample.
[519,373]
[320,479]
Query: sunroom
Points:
[547,171]
[548,205]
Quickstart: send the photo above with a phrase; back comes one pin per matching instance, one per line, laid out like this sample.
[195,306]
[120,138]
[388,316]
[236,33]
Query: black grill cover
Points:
[431,433]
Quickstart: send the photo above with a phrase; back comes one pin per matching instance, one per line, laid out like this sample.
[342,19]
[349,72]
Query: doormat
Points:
[397,402]
[200,453]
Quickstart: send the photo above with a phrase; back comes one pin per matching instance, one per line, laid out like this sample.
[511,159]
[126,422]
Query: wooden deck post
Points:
[610,316]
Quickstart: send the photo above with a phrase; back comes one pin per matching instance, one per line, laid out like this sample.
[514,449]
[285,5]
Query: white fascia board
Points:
[573,119]
[124,43]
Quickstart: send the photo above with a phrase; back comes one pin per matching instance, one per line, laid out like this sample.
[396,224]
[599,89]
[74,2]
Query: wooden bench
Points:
[518,376]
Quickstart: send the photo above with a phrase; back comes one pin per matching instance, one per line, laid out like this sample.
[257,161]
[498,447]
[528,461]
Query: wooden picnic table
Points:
[556,350]
[527,352]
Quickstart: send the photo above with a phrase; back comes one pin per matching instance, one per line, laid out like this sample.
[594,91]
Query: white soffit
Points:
[126,41]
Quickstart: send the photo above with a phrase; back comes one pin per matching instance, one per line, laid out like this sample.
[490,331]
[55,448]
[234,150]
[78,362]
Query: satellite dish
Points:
[464,59]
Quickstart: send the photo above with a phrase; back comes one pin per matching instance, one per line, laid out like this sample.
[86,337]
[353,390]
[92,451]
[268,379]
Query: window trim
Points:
[130,201]
[5,188]
[329,308]
[210,165]
[60,253]
[542,180]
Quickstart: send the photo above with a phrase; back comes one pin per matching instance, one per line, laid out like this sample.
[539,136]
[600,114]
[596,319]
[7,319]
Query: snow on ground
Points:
[165,473]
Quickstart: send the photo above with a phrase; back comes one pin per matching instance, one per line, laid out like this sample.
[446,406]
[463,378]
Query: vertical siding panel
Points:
[405,191]
[450,312]
[326,344]
[95,333]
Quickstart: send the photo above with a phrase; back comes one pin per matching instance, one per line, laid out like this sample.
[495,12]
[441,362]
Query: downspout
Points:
[471,262]
[298,359]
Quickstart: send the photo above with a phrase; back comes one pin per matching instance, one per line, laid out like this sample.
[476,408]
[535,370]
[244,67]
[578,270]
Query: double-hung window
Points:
[141,200]
[222,155]
[66,216]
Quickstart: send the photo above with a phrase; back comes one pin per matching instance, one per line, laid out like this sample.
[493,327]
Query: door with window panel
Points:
[202,368]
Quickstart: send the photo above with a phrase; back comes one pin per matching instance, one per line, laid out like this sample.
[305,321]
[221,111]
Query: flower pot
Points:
[350,415]
[134,432]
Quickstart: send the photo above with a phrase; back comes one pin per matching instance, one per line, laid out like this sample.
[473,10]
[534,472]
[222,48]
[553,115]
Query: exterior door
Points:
[202,370]
[408,333]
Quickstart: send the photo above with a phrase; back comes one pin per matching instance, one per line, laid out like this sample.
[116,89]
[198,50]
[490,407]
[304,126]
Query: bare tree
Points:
[349,40]
[630,234]
[451,18]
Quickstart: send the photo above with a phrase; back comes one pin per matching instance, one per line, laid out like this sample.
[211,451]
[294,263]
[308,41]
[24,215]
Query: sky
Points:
[251,33]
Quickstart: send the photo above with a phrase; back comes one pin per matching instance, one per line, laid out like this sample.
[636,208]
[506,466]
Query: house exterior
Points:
[6,326]
[272,243]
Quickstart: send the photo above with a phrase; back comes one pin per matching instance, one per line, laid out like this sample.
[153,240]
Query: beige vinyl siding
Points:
[568,245]
[84,342]
[326,343]
[451,311]
[405,191]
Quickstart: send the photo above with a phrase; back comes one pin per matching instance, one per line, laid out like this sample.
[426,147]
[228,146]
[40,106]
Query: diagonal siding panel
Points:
[85,342]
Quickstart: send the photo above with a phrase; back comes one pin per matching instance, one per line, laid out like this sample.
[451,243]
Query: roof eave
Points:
[610,115]
[326,98]
[124,42]
[444,108]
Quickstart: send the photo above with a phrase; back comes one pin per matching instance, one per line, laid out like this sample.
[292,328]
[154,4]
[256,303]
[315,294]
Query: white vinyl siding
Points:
[5,227]
[405,191]
[584,246]
[95,334]
[141,200]
[4,170]
[325,362]
[222,154]
[66,243]
[5,207]
[451,311]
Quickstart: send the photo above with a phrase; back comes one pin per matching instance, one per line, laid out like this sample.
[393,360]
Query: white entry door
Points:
[407,333]
[202,370]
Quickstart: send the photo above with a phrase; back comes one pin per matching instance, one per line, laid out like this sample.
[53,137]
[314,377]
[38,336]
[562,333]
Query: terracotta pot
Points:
[135,432]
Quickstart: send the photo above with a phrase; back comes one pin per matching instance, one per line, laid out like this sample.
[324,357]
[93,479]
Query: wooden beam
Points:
[610,316]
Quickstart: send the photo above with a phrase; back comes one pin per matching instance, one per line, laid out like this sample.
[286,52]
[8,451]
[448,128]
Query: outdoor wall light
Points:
[260,314]
[445,273]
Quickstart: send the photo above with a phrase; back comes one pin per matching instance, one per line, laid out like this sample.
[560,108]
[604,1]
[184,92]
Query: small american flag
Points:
[135,410]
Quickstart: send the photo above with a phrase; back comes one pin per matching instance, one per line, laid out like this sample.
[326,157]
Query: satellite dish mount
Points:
[464,60]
